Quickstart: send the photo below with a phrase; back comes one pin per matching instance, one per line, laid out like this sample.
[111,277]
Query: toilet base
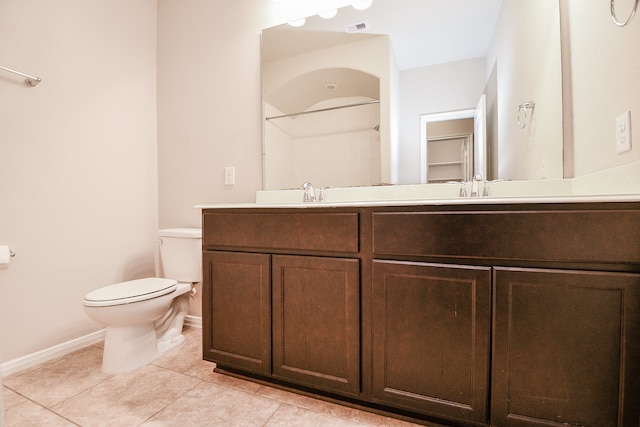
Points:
[128,348]
[166,346]
[131,347]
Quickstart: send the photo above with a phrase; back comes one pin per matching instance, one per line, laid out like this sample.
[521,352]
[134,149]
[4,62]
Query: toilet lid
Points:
[130,291]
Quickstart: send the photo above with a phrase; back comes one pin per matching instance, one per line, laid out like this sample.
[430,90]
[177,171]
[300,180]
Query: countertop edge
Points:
[432,202]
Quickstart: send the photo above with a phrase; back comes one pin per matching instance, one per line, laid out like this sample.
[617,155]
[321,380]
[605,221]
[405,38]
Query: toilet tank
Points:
[181,254]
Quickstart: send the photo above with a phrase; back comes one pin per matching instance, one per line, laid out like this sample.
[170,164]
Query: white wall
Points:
[78,163]
[329,149]
[605,65]
[439,88]
[373,56]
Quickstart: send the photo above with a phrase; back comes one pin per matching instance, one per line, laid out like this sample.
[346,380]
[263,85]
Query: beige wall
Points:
[209,113]
[605,65]
[435,89]
[526,54]
[84,155]
[78,163]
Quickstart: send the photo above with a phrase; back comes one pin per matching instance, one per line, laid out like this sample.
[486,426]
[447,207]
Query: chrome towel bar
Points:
[29,80]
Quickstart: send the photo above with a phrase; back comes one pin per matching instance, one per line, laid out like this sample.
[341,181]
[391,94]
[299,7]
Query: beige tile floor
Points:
[179,389]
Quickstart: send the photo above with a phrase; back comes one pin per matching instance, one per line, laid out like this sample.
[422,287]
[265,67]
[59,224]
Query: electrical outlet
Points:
[229,175]
[623,132]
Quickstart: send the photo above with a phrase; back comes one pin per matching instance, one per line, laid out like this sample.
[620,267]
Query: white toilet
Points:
[144,317]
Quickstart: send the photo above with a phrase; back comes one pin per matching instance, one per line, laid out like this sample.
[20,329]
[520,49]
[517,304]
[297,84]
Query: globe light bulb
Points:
[298,22]
[328,14]
[362,4]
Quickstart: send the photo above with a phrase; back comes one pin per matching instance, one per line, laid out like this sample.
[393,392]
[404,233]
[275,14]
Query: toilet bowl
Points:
[144,317]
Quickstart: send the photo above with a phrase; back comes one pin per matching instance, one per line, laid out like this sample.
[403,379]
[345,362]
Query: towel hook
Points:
[524,107]
[613,13]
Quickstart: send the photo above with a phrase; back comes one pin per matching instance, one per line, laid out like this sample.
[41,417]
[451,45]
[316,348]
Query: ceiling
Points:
[422,32]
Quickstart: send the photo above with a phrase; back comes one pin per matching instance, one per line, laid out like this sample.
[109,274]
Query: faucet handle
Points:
[463,189]
[309,193]
[475,185]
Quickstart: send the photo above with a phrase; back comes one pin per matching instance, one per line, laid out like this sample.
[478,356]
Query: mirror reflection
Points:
[349,101]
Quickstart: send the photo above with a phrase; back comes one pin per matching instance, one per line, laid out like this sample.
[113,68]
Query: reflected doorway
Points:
[450,151]
[458,139]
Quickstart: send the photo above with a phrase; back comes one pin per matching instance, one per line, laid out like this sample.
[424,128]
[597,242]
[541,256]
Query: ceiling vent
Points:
[357,27]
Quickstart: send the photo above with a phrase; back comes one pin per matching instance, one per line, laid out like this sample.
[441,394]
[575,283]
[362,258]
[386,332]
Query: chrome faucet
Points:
[463,189]
[475,185]
[486,192]
[309,193]
[479,187]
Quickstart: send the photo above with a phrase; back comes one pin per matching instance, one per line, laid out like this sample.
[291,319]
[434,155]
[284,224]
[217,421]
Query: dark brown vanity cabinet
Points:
[566,348]
[559,297]
[431,338]
[476,314]
[281,296]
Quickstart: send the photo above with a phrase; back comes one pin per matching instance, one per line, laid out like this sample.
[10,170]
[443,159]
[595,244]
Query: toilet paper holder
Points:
[11,253]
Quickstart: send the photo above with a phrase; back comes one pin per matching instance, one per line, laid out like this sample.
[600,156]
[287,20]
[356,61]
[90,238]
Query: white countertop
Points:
[431,202]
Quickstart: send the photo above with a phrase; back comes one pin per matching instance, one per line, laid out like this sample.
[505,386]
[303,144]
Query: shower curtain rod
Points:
[31,81]
[375,101]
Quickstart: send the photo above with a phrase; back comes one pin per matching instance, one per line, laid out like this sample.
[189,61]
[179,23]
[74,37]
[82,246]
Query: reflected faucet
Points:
[486,192]
[479,187]
[309,193]
[475,185]
[463,189]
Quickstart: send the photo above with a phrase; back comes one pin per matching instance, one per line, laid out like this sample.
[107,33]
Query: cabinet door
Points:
[316,322]
[566,348]
[431,338]
[236,315]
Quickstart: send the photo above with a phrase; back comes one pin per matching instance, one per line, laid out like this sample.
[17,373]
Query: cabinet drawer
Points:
[333,232]
[562,236]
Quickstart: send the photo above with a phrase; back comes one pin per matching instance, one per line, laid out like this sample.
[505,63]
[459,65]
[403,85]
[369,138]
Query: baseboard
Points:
[193,321]
[33,359]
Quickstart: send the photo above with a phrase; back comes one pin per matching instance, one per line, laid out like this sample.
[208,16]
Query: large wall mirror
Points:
[345,99]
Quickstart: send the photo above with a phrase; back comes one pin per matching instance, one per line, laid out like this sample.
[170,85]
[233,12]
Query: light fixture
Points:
[328,14]
[362,4]
[297,22]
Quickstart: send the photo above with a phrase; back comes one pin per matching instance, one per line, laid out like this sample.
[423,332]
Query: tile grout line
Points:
[173,401]
[46,408]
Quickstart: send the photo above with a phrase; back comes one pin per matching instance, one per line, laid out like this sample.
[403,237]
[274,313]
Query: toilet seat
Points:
[130,292]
